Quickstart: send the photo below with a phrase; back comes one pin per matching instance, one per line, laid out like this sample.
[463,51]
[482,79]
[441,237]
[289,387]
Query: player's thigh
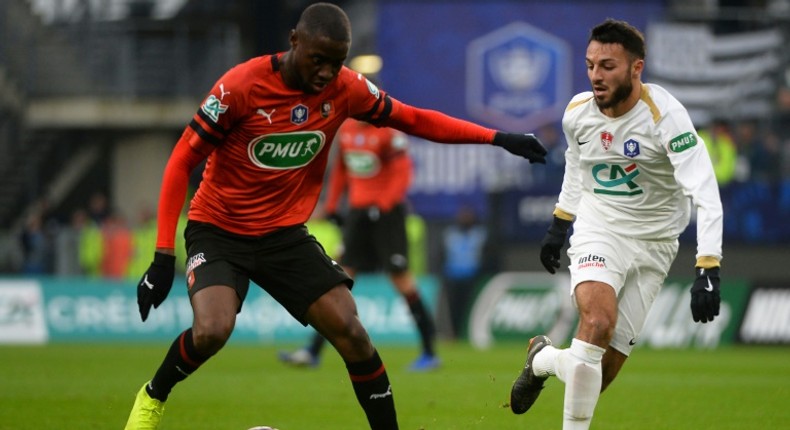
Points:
[334,313]
[296,271]
[651,263]
[214,309]
[334,316]
[217,258]
[598,257]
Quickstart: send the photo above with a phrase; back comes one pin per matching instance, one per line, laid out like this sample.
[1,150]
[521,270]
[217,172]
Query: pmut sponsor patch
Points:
[683,142]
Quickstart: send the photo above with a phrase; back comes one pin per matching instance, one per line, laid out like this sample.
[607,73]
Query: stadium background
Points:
[93,96]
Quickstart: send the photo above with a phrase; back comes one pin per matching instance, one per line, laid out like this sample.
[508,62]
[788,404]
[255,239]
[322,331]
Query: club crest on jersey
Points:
[299,114]
[631,148]
[606,140]
[213,107]
[326,109]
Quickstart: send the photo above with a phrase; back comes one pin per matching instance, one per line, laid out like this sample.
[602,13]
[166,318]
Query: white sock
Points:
[580,366]
[545,361]
[551,361]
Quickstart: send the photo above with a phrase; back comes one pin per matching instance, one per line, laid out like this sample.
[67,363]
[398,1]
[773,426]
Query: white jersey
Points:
[633,175]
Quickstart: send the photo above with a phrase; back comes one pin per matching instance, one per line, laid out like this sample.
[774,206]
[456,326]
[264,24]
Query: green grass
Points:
[93,386]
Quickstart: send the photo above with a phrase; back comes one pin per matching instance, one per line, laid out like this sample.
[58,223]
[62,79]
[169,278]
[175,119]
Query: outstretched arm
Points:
[438,127]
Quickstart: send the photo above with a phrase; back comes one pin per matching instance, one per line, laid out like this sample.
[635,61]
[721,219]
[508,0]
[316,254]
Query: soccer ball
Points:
[262,428]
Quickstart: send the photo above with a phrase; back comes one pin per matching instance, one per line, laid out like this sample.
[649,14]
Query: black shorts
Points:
[289,264]
[375,240]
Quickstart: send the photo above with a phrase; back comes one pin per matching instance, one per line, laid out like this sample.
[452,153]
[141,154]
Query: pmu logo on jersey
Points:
[616,180]
[606,140]
[631,148]
[683,142]
[299,114]
[286,150]
[213,107]
[518,77]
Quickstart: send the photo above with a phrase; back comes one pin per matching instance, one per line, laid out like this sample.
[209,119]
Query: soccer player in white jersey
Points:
[635,167]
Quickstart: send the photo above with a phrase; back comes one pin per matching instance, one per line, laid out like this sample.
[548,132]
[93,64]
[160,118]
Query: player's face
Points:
[612,73]
[316,61]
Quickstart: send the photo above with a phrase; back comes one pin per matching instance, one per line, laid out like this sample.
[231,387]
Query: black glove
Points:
[335,219]
[525,145]
[552,243]
[156,283]
[705,297]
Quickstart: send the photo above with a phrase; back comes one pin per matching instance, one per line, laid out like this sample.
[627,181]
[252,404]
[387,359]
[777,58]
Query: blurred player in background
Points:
[633,160]
[373,165]
[265,129]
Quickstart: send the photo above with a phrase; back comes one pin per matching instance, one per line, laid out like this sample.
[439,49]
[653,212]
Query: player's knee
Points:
[210,338]
[600,324]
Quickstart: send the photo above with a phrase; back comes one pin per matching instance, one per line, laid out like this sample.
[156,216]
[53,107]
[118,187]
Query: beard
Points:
[620,94]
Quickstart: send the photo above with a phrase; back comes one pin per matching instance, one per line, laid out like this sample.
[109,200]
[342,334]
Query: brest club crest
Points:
[606,140]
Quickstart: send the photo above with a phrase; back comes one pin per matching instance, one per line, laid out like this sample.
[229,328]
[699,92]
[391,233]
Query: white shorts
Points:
[635,268]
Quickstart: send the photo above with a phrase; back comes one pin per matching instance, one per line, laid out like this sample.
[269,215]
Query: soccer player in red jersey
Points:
[265,128]
[374,167]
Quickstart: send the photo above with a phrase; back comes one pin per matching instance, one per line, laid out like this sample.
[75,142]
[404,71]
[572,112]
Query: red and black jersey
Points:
[372,164]
[267,146]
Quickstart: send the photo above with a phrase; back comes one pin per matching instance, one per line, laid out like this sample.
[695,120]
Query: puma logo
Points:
[222,91]
[387,393]
[267,115]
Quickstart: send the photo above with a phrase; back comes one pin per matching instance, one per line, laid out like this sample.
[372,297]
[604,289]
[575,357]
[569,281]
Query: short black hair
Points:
[621,33]
[325,19]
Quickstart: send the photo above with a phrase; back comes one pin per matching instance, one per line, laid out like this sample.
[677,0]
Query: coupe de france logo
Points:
[299,114]
[518,77]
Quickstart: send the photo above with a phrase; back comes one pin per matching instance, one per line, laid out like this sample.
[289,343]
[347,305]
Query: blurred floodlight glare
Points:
[366,64]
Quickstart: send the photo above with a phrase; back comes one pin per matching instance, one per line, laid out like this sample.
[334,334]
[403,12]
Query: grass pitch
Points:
[92,386]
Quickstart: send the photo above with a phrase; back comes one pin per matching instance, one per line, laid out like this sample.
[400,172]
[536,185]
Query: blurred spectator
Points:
[116,246]
[463,264]
[67,245]
[34,246]
[90,248]
[98,207]
[143,239]
[763,152]
[782,112]
[722,150]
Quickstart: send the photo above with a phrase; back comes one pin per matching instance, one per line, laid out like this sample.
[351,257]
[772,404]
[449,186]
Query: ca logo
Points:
[620,180]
